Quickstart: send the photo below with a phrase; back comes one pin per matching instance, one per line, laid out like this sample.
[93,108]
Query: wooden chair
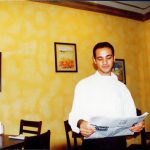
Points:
[73,135]
[41,141]
[144,137]
[32,127]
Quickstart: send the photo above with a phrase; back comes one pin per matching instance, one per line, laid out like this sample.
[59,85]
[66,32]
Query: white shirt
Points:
[99,95]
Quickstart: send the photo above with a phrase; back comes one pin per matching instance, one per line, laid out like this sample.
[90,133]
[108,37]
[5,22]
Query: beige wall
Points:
[31,89]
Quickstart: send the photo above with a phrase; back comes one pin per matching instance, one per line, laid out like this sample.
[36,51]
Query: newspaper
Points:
[18,137]
[110,127]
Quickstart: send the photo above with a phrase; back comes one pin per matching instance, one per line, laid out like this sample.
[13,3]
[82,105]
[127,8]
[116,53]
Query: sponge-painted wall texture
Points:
[31,89]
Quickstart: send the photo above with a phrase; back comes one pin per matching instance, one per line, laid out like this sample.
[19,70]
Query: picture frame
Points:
[119,70]
[65,57]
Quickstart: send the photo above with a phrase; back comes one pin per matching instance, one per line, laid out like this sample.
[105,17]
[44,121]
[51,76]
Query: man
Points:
[101,94]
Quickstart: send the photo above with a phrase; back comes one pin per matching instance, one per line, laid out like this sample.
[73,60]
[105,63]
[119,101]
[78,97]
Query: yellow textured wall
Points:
[145,59]
[31,89]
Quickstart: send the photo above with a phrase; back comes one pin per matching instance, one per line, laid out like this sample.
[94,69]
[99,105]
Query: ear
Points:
[94,64]
[94,61]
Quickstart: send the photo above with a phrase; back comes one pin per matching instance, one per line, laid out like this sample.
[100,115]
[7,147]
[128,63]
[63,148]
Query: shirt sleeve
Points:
[129,105]
[76,113]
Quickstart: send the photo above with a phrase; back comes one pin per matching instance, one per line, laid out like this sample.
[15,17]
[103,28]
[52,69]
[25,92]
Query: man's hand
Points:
[85,129]
[137,127]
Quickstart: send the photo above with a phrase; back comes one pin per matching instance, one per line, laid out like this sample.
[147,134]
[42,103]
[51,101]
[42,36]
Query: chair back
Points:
[32,127]
[142,135]
[73,135]
[41,141]
[145,136]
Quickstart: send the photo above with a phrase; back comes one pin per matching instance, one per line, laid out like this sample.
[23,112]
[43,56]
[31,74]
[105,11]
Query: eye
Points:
[99,59]
[109,57]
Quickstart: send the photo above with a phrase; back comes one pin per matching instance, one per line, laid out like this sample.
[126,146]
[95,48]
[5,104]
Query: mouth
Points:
[106,67]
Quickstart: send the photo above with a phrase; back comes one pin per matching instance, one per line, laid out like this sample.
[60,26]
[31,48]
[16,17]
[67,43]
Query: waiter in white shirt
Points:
[102,94]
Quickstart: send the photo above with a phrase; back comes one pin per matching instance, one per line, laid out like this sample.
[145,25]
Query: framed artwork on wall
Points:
[65,57]
[119,70]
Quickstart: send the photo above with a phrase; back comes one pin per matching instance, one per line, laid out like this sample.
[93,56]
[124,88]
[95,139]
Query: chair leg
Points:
[75,144]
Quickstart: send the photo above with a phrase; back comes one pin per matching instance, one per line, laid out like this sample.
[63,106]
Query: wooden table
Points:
[8,143]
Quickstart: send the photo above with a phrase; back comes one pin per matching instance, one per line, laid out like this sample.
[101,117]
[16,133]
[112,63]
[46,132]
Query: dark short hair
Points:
[102,45]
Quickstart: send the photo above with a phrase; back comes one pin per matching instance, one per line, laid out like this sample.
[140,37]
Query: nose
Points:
[104,61]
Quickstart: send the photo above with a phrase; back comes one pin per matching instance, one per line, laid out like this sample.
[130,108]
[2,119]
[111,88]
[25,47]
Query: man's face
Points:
[104,60]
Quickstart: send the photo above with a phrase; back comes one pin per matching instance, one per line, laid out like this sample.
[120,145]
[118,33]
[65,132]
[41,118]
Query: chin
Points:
[107,70]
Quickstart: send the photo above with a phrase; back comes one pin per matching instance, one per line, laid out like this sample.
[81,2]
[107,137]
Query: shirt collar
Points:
[113,76]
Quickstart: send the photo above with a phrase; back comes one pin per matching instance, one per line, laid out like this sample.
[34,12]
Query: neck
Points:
[104,73]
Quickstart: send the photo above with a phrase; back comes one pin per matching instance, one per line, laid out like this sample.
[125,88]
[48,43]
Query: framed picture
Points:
[65,57]
[119,69]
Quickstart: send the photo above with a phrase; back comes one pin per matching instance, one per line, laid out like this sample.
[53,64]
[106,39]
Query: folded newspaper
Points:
[18,137]
[110,127]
